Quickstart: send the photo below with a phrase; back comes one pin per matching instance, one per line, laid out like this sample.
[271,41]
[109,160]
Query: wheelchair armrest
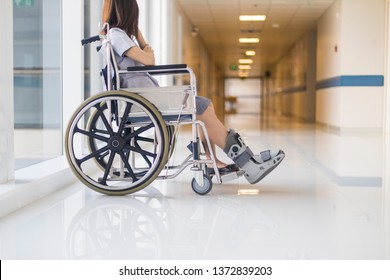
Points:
[161,69]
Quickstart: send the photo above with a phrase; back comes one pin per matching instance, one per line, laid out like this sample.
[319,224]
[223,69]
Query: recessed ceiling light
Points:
[250,53]
[249,40]
[245,61]
[252,17]
[243,75]
[244,67]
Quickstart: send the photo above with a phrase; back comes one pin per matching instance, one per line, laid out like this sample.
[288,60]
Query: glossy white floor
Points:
[329,199]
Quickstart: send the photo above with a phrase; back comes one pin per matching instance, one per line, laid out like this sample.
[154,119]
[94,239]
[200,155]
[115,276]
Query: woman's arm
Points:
[144,53]
[145,56]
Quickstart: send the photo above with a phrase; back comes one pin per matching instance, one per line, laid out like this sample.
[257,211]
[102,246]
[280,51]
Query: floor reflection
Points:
[156,227]
[118,228]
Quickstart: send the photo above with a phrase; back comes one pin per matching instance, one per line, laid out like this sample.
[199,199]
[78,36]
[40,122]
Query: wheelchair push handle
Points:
[90,40]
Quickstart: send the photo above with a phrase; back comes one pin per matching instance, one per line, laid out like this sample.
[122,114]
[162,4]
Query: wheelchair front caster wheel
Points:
[205,188]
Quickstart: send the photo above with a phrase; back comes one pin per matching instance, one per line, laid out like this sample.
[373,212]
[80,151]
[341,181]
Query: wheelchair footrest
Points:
[231,176]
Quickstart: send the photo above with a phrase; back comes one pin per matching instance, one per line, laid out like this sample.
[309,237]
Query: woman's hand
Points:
[148,49]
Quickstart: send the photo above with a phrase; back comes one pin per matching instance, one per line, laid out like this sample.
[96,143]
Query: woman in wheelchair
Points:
[131,49]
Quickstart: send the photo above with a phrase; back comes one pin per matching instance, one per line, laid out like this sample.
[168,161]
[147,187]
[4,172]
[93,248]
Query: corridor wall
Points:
[349,62]
[290,92]
[350,65]
[192,51]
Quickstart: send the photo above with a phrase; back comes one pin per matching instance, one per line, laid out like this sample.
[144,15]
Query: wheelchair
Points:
[121,140]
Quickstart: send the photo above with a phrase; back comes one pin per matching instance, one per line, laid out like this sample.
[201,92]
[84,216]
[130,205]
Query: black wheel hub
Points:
[116,143]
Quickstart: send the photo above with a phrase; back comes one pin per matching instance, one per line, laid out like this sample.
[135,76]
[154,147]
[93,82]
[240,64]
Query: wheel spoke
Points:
[102,156]
[138,132]
[108,168]
[127,165]
[91,134]
[104,119]
[144,155]
[144,139]
[95,130]
[124,117]
[140,151]
[92,155]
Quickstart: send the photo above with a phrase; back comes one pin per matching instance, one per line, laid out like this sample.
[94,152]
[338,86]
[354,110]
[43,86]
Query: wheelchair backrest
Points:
[113,68]
[104,74]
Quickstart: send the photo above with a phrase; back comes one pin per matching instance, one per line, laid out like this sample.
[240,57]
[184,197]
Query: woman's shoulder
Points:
[117,31]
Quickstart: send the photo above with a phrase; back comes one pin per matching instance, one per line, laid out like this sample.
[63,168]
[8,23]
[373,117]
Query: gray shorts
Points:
[201,104]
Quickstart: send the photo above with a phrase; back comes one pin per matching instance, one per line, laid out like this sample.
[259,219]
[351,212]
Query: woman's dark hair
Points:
[122,14]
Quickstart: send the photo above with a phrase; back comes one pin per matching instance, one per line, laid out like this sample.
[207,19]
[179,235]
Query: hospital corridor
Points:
[322,202]
[309,77]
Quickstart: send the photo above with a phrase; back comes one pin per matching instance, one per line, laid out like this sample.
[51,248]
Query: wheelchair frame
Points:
[123,126]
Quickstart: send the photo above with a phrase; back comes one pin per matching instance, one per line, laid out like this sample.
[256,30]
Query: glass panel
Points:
[87,49]
[93,83]
[37,81]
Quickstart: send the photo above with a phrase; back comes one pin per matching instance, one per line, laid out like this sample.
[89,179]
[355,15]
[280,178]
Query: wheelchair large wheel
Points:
[127,139]
[93,125]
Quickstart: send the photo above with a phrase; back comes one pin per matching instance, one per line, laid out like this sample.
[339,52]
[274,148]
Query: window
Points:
[37,81]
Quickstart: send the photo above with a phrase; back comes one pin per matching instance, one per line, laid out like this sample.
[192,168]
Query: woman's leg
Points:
[216,131]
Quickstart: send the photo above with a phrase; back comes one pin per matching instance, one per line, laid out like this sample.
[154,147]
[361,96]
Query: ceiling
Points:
[219,27]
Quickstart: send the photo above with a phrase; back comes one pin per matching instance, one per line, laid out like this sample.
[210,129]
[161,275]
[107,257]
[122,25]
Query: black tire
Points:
[132,133]
[171,134]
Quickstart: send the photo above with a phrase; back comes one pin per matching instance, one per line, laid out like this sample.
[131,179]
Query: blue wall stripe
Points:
[340,81]
[329,83]
[352,81]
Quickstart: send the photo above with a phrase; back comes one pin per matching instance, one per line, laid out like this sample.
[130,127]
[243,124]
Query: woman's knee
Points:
[209,110]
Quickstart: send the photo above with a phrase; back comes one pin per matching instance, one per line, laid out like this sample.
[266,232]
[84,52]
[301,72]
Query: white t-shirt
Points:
[121,43]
